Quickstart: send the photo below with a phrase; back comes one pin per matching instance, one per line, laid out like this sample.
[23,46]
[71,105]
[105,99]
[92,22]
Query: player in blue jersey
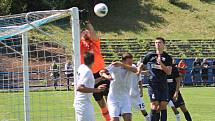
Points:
[174,81]
[159,64]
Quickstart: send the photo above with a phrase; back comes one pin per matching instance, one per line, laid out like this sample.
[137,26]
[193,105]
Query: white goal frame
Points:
[23,29]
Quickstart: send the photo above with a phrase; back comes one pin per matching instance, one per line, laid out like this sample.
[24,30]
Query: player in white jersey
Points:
[85,88]
[136,94]
[118,96]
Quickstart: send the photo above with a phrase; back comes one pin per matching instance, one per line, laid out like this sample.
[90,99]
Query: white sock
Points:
[147,118]
[178,117]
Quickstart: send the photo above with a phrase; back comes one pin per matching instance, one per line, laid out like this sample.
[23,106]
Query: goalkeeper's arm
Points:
[93,34]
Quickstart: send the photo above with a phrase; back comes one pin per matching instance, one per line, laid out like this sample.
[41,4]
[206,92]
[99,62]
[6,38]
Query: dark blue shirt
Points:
[174,74]
[157,76]
[196,69]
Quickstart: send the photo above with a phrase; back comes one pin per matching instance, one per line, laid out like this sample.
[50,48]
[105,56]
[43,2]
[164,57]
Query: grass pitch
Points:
[58,105]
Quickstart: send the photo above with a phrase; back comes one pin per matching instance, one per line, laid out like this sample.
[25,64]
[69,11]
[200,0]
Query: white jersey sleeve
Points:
[84,78]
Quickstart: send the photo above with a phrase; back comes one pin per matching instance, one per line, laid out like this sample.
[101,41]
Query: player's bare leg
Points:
[114,118]
[186,113]
[127,116]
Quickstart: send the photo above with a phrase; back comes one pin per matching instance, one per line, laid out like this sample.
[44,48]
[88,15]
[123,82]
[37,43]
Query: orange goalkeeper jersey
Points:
[92,46]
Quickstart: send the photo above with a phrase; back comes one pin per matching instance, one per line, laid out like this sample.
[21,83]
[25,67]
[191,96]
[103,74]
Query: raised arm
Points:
[93,34]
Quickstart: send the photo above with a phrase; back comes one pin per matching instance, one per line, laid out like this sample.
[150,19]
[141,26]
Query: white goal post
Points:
[17,27]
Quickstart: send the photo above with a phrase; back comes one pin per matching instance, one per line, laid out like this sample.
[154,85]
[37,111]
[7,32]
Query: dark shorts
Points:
[196,77]
[157,94]
[179,102]
[213,71]
[99,96]
[69,75]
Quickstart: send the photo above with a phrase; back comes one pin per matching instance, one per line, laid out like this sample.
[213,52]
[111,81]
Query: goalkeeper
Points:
[90,42]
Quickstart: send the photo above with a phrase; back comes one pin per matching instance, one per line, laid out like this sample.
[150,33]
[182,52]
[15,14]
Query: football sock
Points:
[153,115]
[105,113]
[187,116]
[164,115]
[178,117]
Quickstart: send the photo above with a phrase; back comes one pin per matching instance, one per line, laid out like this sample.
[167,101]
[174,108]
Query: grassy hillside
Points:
[185,19]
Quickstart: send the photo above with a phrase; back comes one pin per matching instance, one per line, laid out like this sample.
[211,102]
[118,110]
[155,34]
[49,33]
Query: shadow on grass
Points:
[128,15]
[208,1]
[184,6]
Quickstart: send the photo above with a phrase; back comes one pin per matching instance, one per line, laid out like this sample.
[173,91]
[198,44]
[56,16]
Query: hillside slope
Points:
[186,19]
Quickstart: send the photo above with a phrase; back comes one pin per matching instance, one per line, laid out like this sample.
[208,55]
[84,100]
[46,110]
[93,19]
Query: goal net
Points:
[39,53]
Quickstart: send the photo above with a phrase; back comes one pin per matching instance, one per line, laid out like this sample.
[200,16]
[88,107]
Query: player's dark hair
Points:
[161,38]
[88,58]
[126,56]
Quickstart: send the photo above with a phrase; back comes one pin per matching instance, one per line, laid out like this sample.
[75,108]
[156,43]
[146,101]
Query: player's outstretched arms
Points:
[82,88]
[140,68]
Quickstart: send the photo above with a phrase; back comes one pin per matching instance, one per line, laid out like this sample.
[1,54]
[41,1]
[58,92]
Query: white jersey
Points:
[68,68]
[134,90]
[86,78]
[120,85]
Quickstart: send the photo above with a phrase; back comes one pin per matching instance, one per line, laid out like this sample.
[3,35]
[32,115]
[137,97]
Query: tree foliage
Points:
[21,6]
[5,6]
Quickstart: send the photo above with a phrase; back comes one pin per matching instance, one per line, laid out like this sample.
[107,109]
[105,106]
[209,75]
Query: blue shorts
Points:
[158,94]
[179,102]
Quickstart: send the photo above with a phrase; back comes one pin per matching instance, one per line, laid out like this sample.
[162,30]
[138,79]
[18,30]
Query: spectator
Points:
[213,71]
[182,70]
[68,72]
[196,75]
[205,66]
[55,73]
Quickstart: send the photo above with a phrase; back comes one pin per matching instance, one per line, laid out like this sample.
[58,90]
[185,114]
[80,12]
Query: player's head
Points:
[85,34]
[159,43]
[88,58]
[69,62]
[127,58]
[182,61]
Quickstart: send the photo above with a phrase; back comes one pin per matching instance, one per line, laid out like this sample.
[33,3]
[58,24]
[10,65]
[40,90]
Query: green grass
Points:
[151,18]
[57,105]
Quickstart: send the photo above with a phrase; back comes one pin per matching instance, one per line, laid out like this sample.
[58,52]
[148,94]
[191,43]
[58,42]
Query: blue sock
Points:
[153,115]
[164,115]
[187,116]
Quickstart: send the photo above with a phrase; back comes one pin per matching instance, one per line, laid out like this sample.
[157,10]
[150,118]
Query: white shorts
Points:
[170,104]
[84,112]
[118,108]
[137,103]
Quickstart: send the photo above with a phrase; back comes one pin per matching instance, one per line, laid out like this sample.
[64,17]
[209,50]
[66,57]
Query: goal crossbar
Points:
[9,31]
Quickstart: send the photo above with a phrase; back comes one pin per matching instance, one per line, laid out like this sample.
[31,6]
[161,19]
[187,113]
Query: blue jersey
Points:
[171,79]
[157,75]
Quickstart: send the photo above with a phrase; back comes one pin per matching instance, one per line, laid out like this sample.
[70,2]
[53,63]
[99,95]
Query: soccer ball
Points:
[101,9]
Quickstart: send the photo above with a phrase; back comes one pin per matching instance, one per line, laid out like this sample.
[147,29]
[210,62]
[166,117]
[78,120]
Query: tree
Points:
[5,6]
